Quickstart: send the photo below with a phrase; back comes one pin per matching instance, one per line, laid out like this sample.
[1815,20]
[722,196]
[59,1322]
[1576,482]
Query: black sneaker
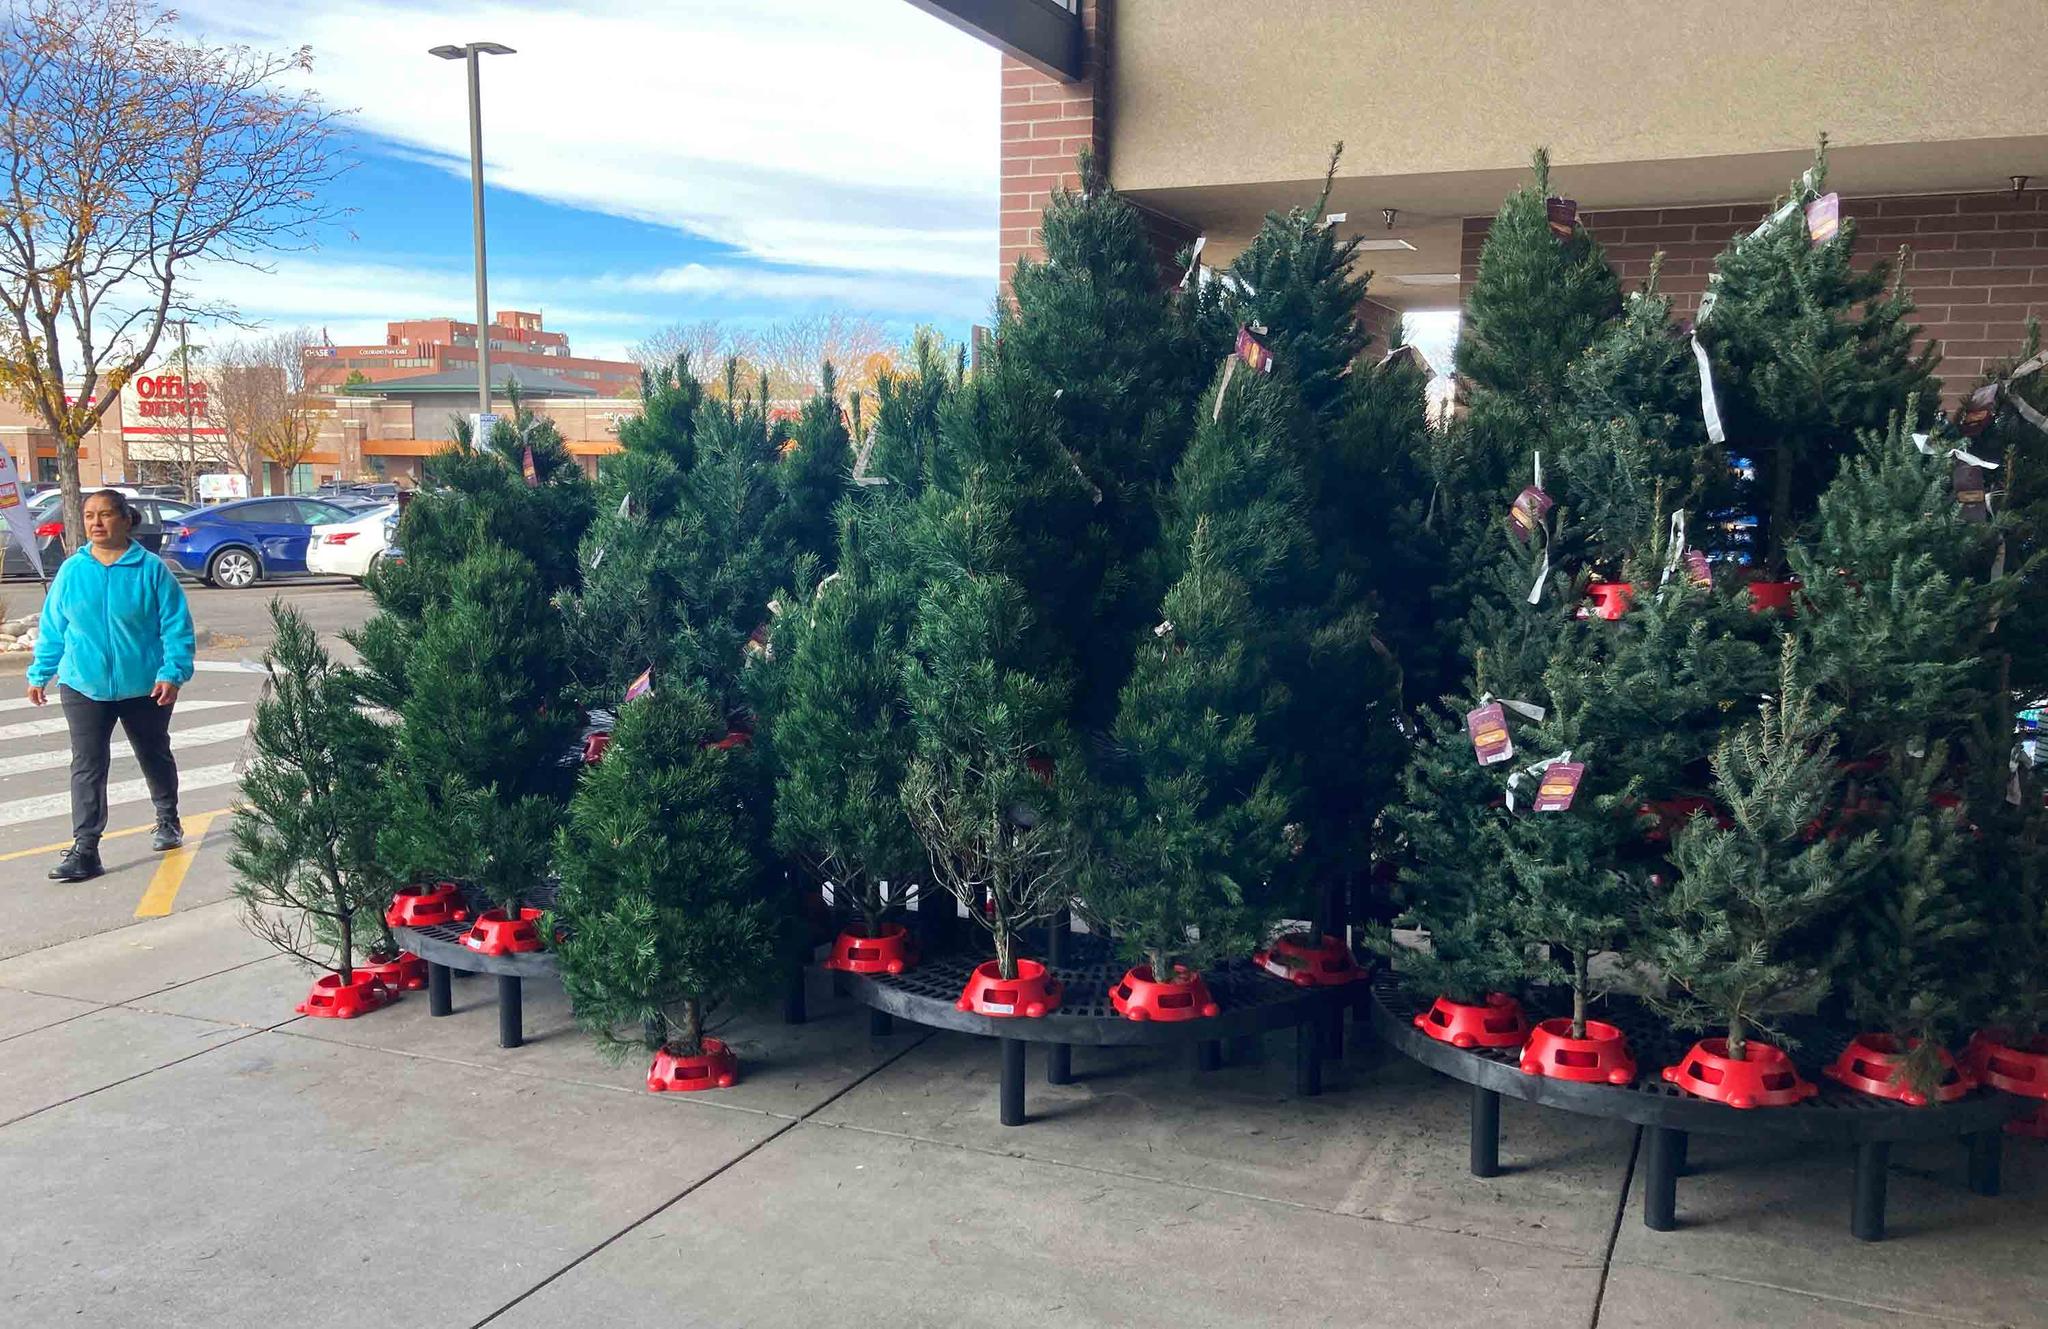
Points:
[170,833]
[82,863]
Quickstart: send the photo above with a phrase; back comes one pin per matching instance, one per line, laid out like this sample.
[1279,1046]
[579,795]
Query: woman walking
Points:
[116,634]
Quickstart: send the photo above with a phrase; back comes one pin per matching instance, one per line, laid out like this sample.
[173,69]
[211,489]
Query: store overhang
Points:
[1415,256]
[1042,33]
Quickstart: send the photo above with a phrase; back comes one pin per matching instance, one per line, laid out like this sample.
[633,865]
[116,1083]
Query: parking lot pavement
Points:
[208,733]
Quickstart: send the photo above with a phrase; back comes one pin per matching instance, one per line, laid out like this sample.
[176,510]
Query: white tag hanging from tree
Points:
[1710,408]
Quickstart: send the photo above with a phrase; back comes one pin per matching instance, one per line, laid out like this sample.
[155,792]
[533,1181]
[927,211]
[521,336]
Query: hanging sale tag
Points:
[1194,260]
[1488,727]
[1710,409]
[1560,785]
[1563,215]
[1978,410]
[642,685]
[1824,218]
[1257,356]
[1698,569]
[1532,505]
[526,469]
[1969,482]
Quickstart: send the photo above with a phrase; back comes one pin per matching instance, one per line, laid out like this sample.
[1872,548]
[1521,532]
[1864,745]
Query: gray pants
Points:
[148,727]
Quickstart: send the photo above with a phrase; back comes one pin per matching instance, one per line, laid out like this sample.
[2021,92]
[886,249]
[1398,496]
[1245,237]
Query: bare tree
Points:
[794,350]
[707,342]
[130,157]
[261,401]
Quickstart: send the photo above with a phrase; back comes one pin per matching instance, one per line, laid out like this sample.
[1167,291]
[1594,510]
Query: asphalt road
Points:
[208,735]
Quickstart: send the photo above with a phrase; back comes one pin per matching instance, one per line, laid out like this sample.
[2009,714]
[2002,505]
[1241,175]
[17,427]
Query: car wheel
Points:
[233,568]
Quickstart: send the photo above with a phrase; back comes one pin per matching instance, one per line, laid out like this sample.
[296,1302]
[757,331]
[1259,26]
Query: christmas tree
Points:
[817,464]
[305,836]
[1725,931]
[903,439]
[484,725]
[670,397]
[837,726]
[1807,351]
[1196,817]
[664,907]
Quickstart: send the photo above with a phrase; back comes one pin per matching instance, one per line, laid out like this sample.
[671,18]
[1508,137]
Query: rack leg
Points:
[1985,1150]
[1660,1178]
[1485,1146]
[510,1013]
[1308,1057]
[1246,1049]
[1209,1054]
[1059,1063]
[1866,1215]
[1681,1149]
[1013,1081]
[793,997]
[440,1000]
[1057,929]
[880,1023]
[1332,1021]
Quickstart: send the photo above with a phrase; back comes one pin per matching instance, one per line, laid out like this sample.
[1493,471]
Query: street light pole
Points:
[468,53]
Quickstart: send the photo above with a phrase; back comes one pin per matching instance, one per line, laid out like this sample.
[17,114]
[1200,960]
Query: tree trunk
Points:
[1738,1039]
[693,1029]
[74,496]
[1006,947]
[347,966]
[1162,972]
[1580,980]
[1780,514]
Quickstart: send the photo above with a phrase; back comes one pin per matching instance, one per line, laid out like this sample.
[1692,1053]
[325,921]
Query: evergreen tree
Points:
[484,724]
[816,469]
[306,867]
[1722,933]
[670,397]
[1807,351]
[665,905]
[1196,821]
[987,705]
[904,439]
[837,725]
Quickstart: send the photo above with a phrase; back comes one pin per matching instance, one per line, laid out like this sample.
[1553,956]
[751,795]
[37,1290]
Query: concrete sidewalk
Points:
[178,1149]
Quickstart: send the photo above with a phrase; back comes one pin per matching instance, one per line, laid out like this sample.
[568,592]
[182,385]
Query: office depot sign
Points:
[160,406]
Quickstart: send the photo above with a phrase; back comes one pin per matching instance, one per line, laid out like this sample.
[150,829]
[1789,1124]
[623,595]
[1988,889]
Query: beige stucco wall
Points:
[1209,92]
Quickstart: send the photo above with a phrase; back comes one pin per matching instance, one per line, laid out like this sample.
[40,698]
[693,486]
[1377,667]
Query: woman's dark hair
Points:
[120,501]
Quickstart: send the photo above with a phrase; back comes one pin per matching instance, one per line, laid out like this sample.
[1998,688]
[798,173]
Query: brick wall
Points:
[1978,265]
[1045,125]
[1383,322]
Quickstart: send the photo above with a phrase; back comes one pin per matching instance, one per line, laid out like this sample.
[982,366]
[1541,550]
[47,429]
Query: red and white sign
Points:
[165,405]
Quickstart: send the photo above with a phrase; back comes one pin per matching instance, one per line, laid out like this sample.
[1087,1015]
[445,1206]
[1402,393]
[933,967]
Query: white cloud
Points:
[864,291]
[849,134]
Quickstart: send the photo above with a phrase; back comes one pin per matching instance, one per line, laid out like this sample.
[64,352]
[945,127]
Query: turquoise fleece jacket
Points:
[113,631]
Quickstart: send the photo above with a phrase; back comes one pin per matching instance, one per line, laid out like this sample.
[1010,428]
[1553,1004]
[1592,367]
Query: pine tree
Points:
[670,397]
[484,726]
[305,855]
[1196,821]
[1723,932]
[986,704]
[665,907]
[815,472]
[1807,351]
[837,727]
[904,439]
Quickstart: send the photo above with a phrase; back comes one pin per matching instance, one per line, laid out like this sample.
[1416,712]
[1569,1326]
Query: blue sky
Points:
[739,160]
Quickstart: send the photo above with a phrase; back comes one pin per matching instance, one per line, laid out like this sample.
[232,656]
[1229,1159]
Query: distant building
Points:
[437,346]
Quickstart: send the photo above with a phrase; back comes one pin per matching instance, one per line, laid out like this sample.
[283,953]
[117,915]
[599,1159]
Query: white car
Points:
[348,548]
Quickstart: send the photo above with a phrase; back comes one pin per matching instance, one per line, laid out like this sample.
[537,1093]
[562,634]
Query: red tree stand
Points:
[1870,1065]
[891,953]
[426,906]
[1767,1078]
[404,972]
[1034,992]
[717,1068]
[1136,996]
[1498,1023]
[1320,962]
[1601,1057]
[495,934]
[332,999]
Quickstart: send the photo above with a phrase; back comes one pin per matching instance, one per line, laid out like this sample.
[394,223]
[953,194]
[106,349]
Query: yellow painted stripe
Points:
[170,874]
[61,845]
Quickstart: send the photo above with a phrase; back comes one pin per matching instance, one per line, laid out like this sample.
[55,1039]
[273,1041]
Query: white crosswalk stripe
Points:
[55,723]
[118,793]
[182,740]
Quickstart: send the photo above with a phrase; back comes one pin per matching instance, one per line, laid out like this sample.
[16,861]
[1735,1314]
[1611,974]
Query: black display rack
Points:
[1670,1116]
[1252,1002]
[440,945]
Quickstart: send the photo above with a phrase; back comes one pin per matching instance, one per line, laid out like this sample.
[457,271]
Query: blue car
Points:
[239,544]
